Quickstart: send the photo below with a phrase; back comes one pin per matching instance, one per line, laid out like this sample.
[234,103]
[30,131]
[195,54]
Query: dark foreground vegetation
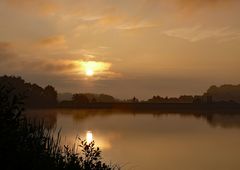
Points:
[25,145]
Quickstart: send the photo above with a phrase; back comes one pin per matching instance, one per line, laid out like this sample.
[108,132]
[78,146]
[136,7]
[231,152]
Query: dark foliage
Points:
[80,98]
[24,145]
[230,93]
[182,99]
[36,96]
[92,98]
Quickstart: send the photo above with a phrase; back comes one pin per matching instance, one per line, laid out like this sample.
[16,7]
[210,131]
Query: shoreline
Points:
[153,107]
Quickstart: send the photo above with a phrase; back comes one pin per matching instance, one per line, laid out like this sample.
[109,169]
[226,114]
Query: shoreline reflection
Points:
[222,120]
[155,140]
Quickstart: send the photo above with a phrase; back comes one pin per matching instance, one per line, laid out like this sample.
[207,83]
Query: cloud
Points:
[107,16]
[74,68]
[197,33]
[134,26]
[55,66]
[191,6]
[124,16]
[5,52]
[4,45]
[53,42]
[193,3]
[44,7]
[200,3]
[63,67]
[15,63]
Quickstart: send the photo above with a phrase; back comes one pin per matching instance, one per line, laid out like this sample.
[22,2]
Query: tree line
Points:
[36,96]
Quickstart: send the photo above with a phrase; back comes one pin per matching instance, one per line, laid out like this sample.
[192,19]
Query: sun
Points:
[89,72]
[93,68]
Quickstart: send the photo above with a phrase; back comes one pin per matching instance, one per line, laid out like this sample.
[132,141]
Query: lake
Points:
[153,141]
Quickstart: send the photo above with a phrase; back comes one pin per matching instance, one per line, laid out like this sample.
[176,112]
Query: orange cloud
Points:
[44,7]
[192,4]
[197,33]
[54,41]
[195,4]
[6,52]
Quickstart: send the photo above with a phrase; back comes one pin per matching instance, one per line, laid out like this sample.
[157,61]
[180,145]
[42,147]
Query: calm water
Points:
[150,141]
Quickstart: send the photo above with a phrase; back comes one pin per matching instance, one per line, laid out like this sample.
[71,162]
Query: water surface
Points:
[154,141]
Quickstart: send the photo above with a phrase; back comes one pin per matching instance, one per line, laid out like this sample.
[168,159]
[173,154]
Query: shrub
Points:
[27,145]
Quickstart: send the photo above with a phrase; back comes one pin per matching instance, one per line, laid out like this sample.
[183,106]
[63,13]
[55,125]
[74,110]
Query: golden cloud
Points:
[53,41]
[197,33]
[97,69]
[195,4]
[69,68]
[192,4]
[96,66]
[41,6]
[6,52]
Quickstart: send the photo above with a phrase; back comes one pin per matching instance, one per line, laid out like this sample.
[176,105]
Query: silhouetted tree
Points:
[104,98]
[157,99]
[197,99]
[36,96]
[50,95]
[186,99]
[80,99]
[133,100]
[93,100]
[225,93]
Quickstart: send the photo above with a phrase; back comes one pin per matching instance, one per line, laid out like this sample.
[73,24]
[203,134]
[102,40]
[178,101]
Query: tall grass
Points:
[27,145]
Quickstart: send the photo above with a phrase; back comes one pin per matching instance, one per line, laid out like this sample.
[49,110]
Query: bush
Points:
[27,145]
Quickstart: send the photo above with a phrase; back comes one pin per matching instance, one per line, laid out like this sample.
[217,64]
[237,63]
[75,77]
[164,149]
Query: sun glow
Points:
[89,72]
[91,68]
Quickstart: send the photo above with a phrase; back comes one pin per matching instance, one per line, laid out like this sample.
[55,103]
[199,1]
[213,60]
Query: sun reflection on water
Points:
[100,140]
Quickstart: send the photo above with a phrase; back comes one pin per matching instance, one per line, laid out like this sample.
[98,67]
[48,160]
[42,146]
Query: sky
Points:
[124,48]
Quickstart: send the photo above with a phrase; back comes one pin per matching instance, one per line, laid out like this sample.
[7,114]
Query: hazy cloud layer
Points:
[199,3]
[44,7]
[54,42]
[194,3]
[142,43]
[5,52]
[198,33]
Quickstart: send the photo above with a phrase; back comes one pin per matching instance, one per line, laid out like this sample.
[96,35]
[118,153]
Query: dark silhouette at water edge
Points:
[226,97]
[30,145]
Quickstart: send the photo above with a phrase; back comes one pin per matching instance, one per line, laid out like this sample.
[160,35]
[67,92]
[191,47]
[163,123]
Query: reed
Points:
[26,144]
